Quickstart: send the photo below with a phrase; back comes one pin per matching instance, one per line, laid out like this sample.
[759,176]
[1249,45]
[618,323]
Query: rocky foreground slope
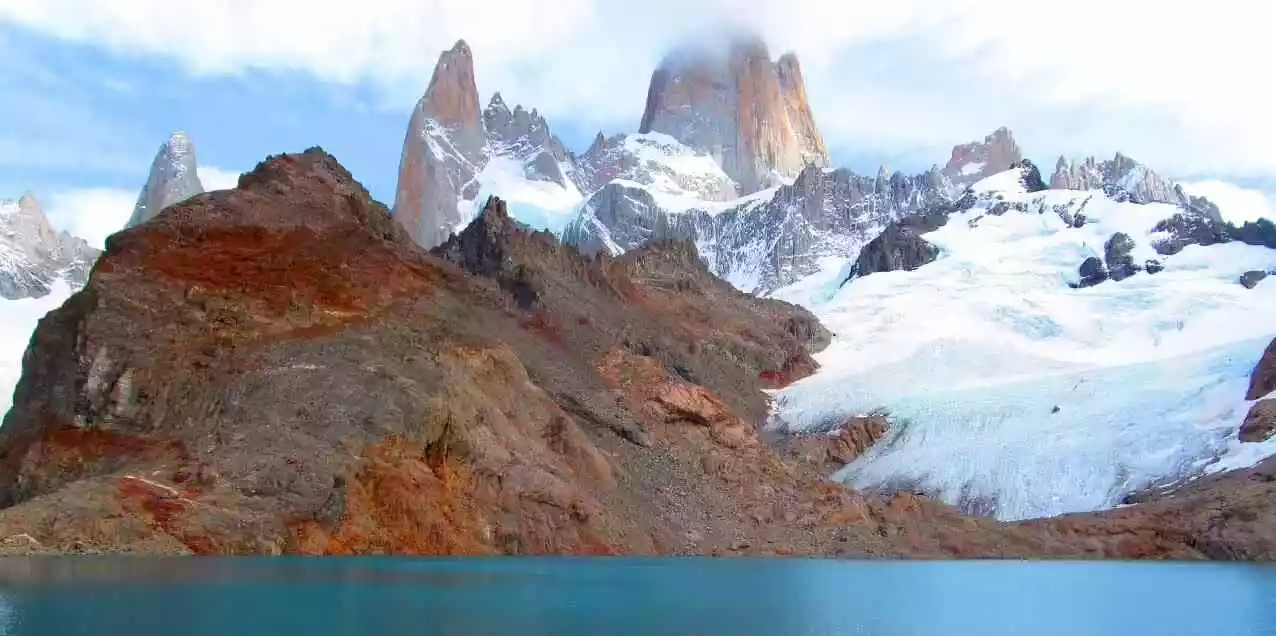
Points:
[279,368]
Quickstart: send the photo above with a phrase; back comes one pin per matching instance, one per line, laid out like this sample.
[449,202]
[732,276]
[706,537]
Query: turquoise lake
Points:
[322,597]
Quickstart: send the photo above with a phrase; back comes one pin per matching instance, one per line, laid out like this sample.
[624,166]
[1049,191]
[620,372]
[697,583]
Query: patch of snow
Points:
[972,168]
[1007,182]
[18,319]
[972,353]
[538,204]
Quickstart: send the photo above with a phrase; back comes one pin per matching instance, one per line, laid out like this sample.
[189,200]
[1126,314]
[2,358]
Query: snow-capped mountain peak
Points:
[39,269]
[976,160]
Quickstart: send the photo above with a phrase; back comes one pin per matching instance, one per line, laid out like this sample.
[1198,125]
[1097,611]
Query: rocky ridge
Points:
[278,368]
[977,160]
[173,178]
[33,255]
[504,395]
[449,143]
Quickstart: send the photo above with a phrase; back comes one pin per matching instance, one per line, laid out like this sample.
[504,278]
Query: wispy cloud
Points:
[96,213]
[1175,85]
[1235,203]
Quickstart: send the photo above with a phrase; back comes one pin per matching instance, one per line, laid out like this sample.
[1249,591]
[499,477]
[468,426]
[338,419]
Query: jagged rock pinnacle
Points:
[442,151]
[173,178]
[730,100]
[976,160]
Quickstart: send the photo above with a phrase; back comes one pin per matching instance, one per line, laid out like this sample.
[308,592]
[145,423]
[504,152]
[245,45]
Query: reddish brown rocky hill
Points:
[279,368]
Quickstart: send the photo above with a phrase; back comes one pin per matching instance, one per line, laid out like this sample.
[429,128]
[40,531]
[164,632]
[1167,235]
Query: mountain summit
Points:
[750,113]
[442,152]
[33,255]
[173,179]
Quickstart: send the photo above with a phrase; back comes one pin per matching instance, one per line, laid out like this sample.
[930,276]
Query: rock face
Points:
[1260,232]
[655,160]
[442,152]
[733,102]
[1121,177]
[977,160]
[1116,254]
[174,177]
[525,136]
[1263,379]
[1197,222]
[899,247]
[1260,423]
[33,255]
[278,368]
[765,243]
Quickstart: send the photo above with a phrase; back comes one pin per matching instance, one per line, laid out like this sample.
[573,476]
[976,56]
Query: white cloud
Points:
[1176,85]
[217,179]
[1235,203]
[90,213]
[96,213]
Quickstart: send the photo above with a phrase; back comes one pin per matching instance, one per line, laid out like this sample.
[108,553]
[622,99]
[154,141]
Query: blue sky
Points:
[92,87]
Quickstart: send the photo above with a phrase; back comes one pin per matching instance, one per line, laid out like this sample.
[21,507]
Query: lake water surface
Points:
[325,597]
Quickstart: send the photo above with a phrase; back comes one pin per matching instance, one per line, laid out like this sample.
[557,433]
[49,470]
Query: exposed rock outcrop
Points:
[1031,176]
[763,244]
[234,380]
[900,247]
[1260,422]
[655,160]
[1197,222]
[1092,272]
[1262,380]
[174,177]
[442,151]
[33,255]
[525,136]
[977,160]
[1261,232]
[1116,254]
[1120,177]
[1252,278]
[729,99]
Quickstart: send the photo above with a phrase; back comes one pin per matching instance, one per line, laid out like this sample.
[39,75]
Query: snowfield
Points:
[18,319]
[541,205]
[1014,394]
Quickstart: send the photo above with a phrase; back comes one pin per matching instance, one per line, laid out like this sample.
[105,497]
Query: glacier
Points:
[1015,395]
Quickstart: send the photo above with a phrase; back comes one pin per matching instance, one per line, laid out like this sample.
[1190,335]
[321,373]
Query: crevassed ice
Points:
[973,353]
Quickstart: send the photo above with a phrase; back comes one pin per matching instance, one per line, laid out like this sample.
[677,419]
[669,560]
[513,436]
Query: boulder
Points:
[1250,279]
[1092,272]
[1116,253]
[899,247]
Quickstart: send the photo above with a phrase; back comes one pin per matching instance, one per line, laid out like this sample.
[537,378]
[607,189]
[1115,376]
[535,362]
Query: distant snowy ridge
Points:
[1014,393]
[39,269]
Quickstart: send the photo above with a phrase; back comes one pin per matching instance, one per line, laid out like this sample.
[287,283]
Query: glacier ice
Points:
[1018,396]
